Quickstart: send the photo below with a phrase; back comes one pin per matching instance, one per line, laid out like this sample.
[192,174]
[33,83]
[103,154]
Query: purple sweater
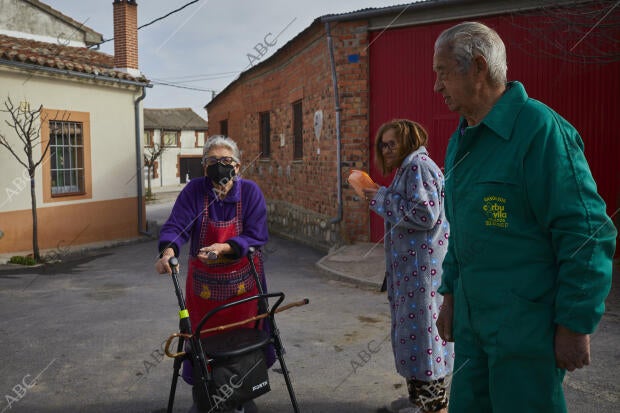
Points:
[188,213]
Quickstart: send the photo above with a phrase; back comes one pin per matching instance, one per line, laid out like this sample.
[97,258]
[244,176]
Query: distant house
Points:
[182,132]
[308,114]
[86,187]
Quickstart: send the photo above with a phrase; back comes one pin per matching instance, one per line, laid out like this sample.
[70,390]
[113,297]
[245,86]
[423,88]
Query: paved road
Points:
[159,210]
[85,336]
[88,334]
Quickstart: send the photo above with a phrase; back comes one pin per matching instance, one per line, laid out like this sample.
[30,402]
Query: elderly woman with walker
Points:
[222,216]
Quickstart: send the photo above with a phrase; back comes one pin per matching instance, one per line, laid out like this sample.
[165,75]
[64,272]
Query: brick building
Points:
[296,167]
[300,139]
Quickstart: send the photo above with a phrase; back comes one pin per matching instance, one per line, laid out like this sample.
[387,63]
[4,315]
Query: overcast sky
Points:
[206,45]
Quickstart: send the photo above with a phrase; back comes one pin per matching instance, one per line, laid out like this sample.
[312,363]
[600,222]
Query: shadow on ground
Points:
[69,265]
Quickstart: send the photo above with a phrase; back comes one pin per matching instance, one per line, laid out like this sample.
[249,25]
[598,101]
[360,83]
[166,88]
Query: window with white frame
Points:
[148,138]
[170,138]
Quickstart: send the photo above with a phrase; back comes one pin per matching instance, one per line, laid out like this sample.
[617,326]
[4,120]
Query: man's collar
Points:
[503,115]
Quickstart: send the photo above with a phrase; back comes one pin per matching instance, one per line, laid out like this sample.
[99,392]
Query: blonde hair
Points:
[411,135]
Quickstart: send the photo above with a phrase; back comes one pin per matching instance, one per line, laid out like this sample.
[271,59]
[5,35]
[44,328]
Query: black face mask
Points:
[220,174]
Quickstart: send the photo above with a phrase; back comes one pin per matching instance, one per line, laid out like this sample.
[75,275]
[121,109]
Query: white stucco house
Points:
[182,132]
[89,186]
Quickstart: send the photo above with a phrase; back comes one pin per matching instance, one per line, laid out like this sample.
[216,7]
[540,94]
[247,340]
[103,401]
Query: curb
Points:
[341,276]
[80,252]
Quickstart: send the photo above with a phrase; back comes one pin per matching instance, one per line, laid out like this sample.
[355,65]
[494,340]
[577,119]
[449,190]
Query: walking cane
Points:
[227,326]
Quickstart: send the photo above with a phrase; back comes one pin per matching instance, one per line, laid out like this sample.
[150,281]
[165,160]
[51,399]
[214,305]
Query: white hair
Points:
[221,141]
[470,39]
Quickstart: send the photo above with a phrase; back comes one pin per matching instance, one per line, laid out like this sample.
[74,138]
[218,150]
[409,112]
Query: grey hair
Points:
[470,39]
[221,141]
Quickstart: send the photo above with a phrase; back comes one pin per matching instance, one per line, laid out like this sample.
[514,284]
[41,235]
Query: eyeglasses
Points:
[391,145]
[224,160]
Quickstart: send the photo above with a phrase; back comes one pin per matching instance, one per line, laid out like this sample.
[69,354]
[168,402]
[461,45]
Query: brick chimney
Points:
[126,36]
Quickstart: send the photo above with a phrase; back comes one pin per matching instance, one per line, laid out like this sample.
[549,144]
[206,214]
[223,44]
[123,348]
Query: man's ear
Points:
[481,67]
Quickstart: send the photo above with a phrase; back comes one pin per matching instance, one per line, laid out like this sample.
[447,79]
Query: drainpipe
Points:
[139,169]
[338,109]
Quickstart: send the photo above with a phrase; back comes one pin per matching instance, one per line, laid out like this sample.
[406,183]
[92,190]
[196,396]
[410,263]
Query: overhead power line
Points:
[194,80]
[199,76]
[183,87]
[152,21]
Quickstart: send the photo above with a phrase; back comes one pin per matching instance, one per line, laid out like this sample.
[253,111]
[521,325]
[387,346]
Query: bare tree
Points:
[25,123]
[151,154]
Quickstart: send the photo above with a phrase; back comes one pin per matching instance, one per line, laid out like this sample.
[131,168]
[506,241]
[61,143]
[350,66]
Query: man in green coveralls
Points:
[529,260]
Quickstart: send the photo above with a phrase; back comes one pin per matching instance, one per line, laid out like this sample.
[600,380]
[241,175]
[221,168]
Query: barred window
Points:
[224,127]
[67,157]
[298,131]
[265,134]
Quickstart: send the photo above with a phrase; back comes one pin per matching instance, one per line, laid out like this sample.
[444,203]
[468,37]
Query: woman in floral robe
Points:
[416,241]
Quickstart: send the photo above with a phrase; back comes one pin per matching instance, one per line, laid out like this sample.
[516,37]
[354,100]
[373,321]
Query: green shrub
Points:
[22,260]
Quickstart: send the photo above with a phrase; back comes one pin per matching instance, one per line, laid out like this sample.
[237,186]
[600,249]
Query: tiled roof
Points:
[73,59]
[173,119]
[385,9]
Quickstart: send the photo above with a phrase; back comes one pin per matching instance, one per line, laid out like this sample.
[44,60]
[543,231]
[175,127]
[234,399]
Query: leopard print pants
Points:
[430,396]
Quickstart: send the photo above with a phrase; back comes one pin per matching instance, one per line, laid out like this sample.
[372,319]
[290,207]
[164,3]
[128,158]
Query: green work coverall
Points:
[531,247]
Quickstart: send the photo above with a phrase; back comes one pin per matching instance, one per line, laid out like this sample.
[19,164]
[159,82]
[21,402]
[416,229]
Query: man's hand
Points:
[162,265]
[572,350]
[444,320]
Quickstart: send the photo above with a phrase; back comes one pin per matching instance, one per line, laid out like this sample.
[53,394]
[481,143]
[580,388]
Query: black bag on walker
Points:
[238,369]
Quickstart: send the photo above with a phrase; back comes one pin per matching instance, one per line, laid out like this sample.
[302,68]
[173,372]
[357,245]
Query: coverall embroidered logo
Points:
[495,210]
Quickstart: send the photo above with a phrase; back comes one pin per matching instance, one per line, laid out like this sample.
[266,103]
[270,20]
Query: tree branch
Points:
[4,143]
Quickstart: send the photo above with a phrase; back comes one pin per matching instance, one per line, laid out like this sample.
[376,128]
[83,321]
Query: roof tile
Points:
[174,119]
[78,59]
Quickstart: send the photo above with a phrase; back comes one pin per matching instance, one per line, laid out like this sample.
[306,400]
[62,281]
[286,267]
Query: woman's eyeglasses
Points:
[224,160]
[388,145]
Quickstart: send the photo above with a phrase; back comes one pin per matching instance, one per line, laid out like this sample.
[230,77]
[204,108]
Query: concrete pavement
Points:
[594,389]
[362,264]
[86,336]
[90,331]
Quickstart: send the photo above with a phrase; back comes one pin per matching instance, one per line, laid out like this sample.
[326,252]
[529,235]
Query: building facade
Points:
[307,115]
[182,133]
[283,115]
[86,185]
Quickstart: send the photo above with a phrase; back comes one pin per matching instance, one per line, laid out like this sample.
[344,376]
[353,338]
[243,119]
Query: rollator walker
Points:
[229,367]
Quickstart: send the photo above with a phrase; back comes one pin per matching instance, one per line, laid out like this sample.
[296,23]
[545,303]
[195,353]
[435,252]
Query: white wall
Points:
[112,135]
[21,19]
[167,164]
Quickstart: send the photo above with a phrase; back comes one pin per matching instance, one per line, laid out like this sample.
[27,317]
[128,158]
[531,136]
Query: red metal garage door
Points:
[585,93]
